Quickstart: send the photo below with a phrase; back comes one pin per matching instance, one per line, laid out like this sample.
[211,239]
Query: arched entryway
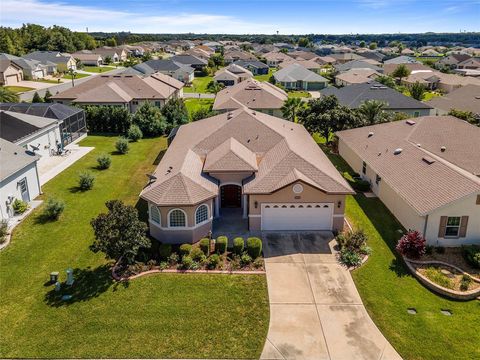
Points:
[231,196]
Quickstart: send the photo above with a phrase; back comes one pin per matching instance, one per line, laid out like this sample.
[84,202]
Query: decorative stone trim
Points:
[457,295]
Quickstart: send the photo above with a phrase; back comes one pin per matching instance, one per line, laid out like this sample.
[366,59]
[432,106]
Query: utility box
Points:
[54,277]
[69,277]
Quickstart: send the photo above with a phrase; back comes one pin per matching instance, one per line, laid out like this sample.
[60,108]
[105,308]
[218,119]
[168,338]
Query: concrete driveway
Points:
[315,309]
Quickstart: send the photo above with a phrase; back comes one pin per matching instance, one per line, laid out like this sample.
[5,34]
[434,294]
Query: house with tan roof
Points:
[88,58]
[129,91]
[232,74]
[259,171]
[274,58]
[235,55]
[355,76]
[425,170]
[307,64]
[256,95]
[466,98]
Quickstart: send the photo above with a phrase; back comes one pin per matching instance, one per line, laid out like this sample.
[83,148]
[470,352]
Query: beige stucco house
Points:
[426,171]
[232,74]
[260,167]
[10,73]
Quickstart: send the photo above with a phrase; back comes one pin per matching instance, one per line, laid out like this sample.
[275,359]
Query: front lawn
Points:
[265,77]
[18,89]
[97,69]
[298,94]
[48,81]
[388,289]
[167,315]
[199,85]
[194,105]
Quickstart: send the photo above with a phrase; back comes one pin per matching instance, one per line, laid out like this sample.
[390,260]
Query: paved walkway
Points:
[187,95]
[315,309]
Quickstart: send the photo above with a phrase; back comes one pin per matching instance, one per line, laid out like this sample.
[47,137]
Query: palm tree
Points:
[373,111]
[8,96]
[291,107]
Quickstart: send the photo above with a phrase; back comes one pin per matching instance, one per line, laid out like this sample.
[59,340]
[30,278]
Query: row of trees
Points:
[151,120]
[326,116]
[31,37]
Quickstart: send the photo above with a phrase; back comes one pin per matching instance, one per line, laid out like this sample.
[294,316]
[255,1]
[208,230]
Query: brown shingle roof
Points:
[466,98]
[424,186]
[284,151]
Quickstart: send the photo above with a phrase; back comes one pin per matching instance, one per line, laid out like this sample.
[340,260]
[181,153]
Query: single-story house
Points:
[466,98]
[199,53]
[357,64]
[274,58]
[257,95]
[311,65]
[88,58]
[248,167]
[232,74]
[10,73]
[18,177]
[181,72]
[195,62]
[72,119]
[117,54]
[346,57]
[425,170]
[439,80]
[129,91]
[402,60]
[451,61]
[235,55]
[302,55]
[388,69]
[62,62]
[32,69]
[256,67]
[355,76]
[471,64]
[296,77]
[354,95]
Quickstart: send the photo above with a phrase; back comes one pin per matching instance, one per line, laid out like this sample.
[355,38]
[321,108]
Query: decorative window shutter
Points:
[463,226]
[443,226]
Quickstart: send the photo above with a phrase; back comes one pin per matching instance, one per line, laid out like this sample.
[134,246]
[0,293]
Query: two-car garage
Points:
[296,216]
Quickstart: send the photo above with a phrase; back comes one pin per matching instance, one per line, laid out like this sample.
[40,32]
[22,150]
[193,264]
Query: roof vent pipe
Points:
[443,148]
[370,134]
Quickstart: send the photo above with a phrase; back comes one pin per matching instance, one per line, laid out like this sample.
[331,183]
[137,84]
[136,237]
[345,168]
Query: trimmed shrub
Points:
[197,254]
[238,245]
[185,249]
[187,263]
[205,246]
[412,245]
[465,282]
[164,251]
[213,261]
[19,206]
[104,161]
[173,259]
[471,253]
[352,240]
[134,133]
[3,230]
[85,181]
[53,209]
[258,263]
[221,244]
[254,247]
[122,145]
[349,257]
[245,259]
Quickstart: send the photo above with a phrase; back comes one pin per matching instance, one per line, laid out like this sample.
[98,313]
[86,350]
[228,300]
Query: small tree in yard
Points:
[401,72]
[175,113]
[417,91]
[122,145]
[47,97]
[150,120]
[134,133]
[119,233]
[53,209]
[85,181]
[412,245]
[36,98]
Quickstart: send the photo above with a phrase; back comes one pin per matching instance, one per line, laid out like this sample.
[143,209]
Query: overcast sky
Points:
[248,17]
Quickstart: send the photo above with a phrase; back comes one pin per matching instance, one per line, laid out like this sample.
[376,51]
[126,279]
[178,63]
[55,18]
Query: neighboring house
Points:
[62,62]
[196,63]
[429,79]
[129,91]
[10,73]
[303,55]
[88,59]
[199,53]
[441,81]
[357,64]
[181,72]
[471,64]
[402,60]
[115,53]
[388,69]
[466,98]
[256,95]
[451,61]
[325,60]
[34,133]
[355,76]
[243,164]
[32,69]
[431,52]
[354,95]
[346,57]
[18,177]
[311,65]
[231,75]
[235,55]
[425,170]
[274,58]
[408,52]
[372,55]
[72,119]
[296,77]
[256,67]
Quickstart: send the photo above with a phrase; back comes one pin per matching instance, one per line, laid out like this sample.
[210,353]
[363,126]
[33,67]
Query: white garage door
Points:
[38,74]
[299,216]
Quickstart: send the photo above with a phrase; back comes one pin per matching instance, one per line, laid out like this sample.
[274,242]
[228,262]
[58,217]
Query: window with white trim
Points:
[453,226]
[177,218]
[154,214]
[201,215]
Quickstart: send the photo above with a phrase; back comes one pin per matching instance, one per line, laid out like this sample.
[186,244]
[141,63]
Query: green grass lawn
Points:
[98,69]
[298,94]
[266,77]
[388,289]
[18,89]
[78,76]
[199,85]
[168,315]
[196,104]
[428,95]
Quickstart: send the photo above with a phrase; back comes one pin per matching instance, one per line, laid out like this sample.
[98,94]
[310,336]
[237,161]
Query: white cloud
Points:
[14,13]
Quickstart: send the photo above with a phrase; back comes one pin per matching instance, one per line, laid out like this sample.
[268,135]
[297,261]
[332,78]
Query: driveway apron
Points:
[315,309]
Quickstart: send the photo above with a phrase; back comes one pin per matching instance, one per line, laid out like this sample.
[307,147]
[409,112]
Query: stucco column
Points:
[245,206]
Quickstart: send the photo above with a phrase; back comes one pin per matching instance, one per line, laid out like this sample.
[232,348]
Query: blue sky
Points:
[248,17]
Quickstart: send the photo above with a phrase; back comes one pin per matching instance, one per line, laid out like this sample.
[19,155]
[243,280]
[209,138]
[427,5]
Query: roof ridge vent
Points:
[411,122]
[397,151]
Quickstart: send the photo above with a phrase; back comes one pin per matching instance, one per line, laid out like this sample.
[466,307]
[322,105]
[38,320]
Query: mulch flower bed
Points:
[446,276]
[453,256]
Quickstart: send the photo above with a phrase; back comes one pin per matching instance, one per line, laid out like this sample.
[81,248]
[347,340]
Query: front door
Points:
[231,196]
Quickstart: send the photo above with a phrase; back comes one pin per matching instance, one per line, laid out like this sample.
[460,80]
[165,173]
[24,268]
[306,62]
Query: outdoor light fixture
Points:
[256,204]
[339,204]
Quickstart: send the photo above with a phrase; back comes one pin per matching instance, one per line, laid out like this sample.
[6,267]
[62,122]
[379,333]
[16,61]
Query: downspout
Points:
[425,226]
[38,179]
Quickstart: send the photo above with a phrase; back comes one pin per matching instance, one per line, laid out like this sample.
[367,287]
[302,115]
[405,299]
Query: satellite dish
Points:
[34,148]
